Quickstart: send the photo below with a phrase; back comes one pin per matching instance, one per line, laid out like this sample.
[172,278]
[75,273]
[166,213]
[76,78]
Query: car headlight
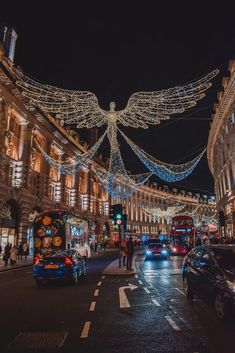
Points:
[164,252]
[231,285]
[148,252]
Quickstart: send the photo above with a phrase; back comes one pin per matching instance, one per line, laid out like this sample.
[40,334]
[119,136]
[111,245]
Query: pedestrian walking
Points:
[13,255]
[129,252]
[26,250]
[7,253]
[20,251]
[123,247]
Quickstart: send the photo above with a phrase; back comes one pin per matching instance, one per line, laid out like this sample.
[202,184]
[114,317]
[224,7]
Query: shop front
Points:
[9,221]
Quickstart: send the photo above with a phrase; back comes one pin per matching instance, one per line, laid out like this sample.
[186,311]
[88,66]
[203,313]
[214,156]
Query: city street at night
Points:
[88,317]
[117,177]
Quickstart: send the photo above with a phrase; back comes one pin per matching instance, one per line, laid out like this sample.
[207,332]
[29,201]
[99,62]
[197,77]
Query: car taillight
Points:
[37,260]
[68,261]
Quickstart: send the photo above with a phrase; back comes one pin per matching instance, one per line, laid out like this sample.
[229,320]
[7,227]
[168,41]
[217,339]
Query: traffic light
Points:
[115,213]
[124,221]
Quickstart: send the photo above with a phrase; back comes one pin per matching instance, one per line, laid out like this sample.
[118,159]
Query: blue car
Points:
[59,265]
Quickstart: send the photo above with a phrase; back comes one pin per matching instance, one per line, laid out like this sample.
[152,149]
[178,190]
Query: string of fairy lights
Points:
[81,109]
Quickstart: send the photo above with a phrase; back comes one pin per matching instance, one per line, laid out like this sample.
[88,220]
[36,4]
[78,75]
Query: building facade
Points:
[29,184]
[221,153]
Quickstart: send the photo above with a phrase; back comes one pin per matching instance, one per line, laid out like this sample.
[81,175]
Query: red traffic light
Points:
[119,221]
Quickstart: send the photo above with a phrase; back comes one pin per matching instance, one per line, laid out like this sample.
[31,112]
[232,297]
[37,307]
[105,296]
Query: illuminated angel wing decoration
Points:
[146,108]
[143,108]
[73,107]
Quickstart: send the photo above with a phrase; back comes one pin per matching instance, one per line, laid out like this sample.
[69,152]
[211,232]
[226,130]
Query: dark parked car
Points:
[156,250]
[209,272]
[60,265]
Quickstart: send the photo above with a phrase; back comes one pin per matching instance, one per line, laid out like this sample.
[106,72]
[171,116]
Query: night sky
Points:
[113,50]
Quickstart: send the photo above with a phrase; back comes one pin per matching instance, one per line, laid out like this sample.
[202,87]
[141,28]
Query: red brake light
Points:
[68,261]
[37,260]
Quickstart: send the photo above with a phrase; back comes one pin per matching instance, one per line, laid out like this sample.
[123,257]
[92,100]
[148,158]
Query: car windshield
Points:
[225,258]
[152,246]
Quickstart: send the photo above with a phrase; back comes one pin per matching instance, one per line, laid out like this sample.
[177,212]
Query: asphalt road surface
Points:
[147,312]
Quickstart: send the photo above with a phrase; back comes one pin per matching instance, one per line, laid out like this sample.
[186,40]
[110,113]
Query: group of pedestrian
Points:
[13,253]
[127,247]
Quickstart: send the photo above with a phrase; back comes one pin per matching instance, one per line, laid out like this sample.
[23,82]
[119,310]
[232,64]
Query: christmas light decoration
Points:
[118,185]
[81,108]
[73,164]
[168,172]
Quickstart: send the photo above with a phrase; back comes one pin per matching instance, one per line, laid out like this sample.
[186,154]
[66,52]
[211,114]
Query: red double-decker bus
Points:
[182,234]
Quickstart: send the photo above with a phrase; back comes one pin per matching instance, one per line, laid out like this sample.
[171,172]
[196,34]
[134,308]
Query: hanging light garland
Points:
[119,185]
[165,171]
[73,164]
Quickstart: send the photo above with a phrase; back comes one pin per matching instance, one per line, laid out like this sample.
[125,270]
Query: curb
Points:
[113,268]
[15,268]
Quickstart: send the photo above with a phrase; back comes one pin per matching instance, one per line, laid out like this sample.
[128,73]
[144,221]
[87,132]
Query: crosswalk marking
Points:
[172,323]
[146,290]
[155,302]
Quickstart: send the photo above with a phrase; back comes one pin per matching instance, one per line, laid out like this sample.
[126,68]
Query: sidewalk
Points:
[113,268]
[19,264]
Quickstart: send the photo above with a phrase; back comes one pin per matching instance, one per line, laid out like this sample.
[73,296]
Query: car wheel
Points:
[187,288]
[220,306]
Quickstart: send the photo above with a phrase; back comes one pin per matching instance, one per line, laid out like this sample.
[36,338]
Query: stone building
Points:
[28,184]
[221,152]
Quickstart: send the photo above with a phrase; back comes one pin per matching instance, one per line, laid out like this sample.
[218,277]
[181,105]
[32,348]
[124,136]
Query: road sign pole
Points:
[120,245]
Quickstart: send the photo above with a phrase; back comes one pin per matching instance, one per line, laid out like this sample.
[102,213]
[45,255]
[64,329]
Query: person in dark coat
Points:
[7,253]
[129,252]
[20,251]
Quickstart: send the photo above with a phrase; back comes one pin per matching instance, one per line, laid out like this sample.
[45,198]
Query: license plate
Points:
[51,266]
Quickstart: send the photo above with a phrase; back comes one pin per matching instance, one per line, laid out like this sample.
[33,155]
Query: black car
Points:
[59,265]
[209,272]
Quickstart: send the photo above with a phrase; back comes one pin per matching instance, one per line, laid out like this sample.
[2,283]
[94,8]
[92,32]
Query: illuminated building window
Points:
[85,199]
[106,208]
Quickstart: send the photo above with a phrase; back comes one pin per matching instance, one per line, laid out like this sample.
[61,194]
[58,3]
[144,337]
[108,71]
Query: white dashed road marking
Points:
[155,302]
[103,277]
[136,276]
[86,329]
[140,282]
[99,283]
[92,306]
[146,290]
[96,293]
[172,323]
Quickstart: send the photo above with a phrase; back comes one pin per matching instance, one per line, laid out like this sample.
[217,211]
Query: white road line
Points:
[86,329]
[146,290]
[136,276]
[140,282]
[96,293]
[99,283]
[92,306]
[103,277]
[155,302]
[180,291]
[172,323]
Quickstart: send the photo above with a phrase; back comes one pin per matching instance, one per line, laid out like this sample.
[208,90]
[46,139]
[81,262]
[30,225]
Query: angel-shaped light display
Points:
[81,109]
